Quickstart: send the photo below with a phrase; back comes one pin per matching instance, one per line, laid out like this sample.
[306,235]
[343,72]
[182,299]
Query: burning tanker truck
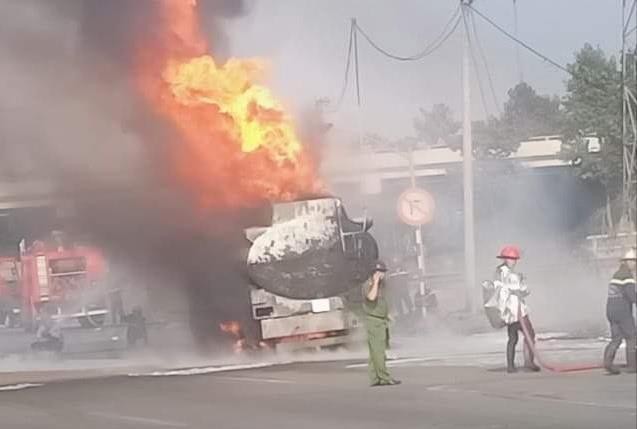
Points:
[302,267]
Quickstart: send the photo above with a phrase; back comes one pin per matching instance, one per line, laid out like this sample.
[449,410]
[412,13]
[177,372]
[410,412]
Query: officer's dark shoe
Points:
[611,370]
[511,370]
[387,383]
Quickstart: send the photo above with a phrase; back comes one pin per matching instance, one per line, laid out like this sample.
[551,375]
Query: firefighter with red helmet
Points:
[514,310]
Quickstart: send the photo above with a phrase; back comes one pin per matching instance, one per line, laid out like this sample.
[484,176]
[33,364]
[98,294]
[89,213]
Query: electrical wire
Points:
[496,101]
[352,52]
[348,64]
[515,39]
[452,23]
[630,15]
[517,47]
[535,51]
[485,107]
[356,69]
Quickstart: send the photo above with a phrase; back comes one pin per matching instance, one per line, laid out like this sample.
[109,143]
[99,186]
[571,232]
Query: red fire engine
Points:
[66,278]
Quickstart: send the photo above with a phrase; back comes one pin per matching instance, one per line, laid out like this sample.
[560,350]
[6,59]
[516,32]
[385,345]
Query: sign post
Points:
[416,208]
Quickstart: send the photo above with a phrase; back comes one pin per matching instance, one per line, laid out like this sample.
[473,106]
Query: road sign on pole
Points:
[416,207]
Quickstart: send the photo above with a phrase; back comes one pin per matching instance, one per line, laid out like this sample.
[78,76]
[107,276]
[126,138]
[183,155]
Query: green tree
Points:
[593,108]
[490,139]
[437,126]
[526,114]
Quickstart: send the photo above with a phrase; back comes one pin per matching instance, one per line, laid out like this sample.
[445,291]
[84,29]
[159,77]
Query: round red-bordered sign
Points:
[416,207]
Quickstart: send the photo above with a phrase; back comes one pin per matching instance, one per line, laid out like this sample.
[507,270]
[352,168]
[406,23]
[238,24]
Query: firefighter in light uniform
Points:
[376,312]
[514,309]
[619,312]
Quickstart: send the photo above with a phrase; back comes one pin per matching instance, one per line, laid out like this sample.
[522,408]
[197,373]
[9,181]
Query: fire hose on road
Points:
[550,367]
[492,302]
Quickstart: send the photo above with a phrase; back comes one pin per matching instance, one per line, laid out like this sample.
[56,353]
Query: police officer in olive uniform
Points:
[619,312]
[376,312]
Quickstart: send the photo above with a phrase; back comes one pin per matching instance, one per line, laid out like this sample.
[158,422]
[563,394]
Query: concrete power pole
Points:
[467,164]
[629,117]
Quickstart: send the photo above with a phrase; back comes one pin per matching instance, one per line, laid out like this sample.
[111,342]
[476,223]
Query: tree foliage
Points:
[526,114]
[437,126]
[593,107]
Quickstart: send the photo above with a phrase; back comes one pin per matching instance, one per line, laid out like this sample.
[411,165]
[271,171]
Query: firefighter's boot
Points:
[511,359]
[609,358]
[529,359]
[631,358]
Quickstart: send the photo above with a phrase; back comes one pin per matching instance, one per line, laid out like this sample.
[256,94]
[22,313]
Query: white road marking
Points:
[256,380]
[12,387]
[395,362]
[136,419]
[201,370]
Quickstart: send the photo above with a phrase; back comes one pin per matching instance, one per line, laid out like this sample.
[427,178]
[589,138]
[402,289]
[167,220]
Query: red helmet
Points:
[509,252]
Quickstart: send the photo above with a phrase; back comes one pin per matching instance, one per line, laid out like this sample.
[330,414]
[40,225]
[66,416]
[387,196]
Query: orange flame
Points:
[237,145]
[233,328]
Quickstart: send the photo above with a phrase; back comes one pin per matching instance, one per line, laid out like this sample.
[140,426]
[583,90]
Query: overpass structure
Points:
[371,169]
[23,194]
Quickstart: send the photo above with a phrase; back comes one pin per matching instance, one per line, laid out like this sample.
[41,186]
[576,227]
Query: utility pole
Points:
[629,117]
[467,168]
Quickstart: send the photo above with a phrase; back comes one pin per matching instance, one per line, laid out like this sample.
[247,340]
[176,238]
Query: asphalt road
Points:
[330,395]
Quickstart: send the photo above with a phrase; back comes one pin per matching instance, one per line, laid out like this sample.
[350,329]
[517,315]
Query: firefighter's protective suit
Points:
[619,312]
[510,292]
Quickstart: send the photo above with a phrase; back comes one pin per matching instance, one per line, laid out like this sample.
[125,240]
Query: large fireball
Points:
[237,145]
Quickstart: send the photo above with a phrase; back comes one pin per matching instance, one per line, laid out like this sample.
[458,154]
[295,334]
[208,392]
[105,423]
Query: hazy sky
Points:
[305,43]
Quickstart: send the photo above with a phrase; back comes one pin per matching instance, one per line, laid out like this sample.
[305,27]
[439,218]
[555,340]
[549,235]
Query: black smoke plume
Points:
[70,115]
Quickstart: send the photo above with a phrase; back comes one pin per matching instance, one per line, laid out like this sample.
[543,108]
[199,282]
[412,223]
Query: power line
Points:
[348,63]
[356,68]
[453,22]
[535,51]
[352,52]
[496,101]
[630,15]
[517,47]
[475,64]
[515,39]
